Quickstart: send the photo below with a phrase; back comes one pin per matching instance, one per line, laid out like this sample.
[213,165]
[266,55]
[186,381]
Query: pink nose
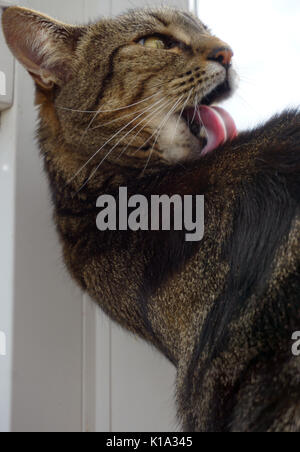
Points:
[222,55]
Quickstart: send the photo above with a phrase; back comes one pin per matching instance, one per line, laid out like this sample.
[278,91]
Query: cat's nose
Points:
[222,55]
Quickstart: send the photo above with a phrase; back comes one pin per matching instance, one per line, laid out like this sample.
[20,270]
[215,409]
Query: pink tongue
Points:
[219,127]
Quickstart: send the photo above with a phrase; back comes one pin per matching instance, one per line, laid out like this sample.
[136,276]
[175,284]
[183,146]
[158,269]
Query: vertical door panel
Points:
[7,194]
[47,352]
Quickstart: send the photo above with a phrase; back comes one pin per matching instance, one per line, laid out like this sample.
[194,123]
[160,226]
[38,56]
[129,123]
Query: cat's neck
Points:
[199,304]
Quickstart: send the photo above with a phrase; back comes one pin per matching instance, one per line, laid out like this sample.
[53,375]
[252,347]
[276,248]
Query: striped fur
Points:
[222,311]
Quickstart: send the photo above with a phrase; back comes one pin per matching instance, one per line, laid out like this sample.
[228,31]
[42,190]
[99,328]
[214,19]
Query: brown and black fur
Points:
[223,310]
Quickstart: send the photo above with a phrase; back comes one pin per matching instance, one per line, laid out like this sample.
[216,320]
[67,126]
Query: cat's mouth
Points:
[212,125]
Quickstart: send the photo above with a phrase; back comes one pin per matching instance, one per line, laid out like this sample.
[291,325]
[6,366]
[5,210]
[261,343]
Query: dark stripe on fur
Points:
[108,76]
[159,19]
[262,221]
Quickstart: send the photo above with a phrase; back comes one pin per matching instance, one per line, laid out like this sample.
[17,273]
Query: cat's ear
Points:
[43,45]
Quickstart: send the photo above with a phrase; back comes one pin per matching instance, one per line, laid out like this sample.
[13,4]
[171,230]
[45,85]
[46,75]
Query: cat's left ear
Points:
[43,45]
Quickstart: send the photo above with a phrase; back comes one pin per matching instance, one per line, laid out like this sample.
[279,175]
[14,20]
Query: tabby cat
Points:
[130,102]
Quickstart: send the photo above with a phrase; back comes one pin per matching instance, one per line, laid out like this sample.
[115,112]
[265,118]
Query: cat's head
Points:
[126,89]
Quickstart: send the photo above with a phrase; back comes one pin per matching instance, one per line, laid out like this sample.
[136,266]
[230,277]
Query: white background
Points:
[265,37]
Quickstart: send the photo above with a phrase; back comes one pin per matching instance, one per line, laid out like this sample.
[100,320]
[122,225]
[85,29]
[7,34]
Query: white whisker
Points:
[196,107]
[106,124]
[110,151]
[143,127]
[157,131]
[180,115]
[89,126]
[120,117]
[108,141]
[166,119]
[108,111]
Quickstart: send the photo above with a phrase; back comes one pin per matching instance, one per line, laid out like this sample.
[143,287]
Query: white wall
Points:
[67,367]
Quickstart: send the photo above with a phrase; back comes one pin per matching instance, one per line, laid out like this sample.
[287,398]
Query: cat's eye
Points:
[153,42]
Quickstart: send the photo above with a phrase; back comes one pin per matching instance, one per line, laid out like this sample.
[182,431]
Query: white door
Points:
[63,365]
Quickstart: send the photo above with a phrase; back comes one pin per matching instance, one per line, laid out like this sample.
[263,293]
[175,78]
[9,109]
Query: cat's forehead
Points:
[181,24]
